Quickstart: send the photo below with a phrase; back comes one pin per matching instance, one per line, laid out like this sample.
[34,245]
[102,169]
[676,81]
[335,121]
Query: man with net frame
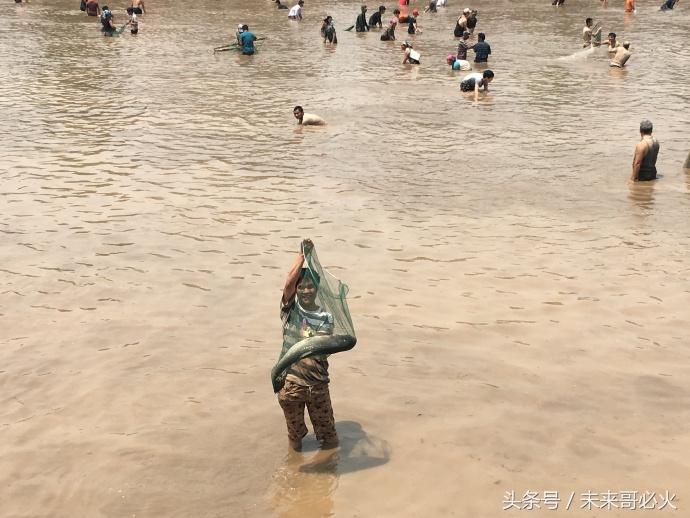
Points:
[306,383]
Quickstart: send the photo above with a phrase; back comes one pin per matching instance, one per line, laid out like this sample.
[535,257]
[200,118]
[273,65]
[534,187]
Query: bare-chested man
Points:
[646,151]
[622,55]
[137,7]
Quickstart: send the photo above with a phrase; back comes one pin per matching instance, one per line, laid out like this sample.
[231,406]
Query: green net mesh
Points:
[336,334]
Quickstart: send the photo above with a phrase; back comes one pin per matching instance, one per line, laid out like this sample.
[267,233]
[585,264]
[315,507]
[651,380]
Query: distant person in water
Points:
[431,7]
[377,17]
[629,6]
[281,6]
[361,22]
[461,24]
[296,11]
[558,3]
[238,33]
[92,8]
[614,45]
[472,21]
[410,55]
[137,7]
[668,4]
[481,49]
[622,55]
[307,119]
[464,46]
[687,162]
[475,81]
[441,3]
[328,30]
[133,24]
[591,34]
[412,23]
[646,151]
[107,22]
[458,64]
[247,40]
[389,35]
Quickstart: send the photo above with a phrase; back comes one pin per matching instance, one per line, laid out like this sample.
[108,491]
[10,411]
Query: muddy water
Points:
[521,310]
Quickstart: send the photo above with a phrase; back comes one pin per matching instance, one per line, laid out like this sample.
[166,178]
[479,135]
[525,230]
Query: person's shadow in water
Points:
[357,451]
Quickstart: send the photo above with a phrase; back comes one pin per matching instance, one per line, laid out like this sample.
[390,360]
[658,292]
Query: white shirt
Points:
[475,75]
[295,11]
[440,3]
[309,119]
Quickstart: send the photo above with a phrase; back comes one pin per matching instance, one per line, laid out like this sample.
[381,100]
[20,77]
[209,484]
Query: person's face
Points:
[588,23]
[298,114]
[612,39]
[306,292]
[488,79]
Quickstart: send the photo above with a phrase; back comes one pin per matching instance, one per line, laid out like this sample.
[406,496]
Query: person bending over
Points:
[307,119]
[376,18]
[458,64]
[296,11]
[410,55]
[473,82]
[389,35]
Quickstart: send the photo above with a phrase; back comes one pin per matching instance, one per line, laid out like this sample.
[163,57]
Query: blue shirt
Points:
[481,51]
[247,39]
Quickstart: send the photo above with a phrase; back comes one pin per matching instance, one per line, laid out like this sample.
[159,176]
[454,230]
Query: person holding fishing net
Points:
[316,323]
[244,41]
[591,34]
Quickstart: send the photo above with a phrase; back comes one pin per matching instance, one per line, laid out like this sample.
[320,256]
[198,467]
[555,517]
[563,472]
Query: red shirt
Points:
[92,7]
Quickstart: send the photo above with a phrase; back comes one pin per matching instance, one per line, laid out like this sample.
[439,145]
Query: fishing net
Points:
[333,331]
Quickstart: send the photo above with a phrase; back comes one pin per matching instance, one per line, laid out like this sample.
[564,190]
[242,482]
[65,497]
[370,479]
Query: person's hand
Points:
[307,247]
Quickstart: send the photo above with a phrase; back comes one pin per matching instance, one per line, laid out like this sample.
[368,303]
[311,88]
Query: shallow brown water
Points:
[521,310]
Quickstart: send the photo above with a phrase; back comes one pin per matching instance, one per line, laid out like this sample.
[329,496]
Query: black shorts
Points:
[134,10]
[468,86]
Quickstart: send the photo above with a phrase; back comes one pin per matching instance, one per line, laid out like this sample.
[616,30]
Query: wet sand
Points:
[521,311]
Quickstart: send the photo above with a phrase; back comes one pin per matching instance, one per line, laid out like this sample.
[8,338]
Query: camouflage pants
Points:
[293,397]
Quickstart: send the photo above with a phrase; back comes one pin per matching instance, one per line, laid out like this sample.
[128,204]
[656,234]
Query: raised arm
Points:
[293,275]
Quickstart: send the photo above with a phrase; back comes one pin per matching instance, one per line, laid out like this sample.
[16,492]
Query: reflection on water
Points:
[642,194]
[295,493]
[304,484]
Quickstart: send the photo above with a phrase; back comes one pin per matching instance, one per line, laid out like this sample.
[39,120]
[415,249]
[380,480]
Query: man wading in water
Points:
[646,151]
[307,119]
[137,7]
[307,380]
